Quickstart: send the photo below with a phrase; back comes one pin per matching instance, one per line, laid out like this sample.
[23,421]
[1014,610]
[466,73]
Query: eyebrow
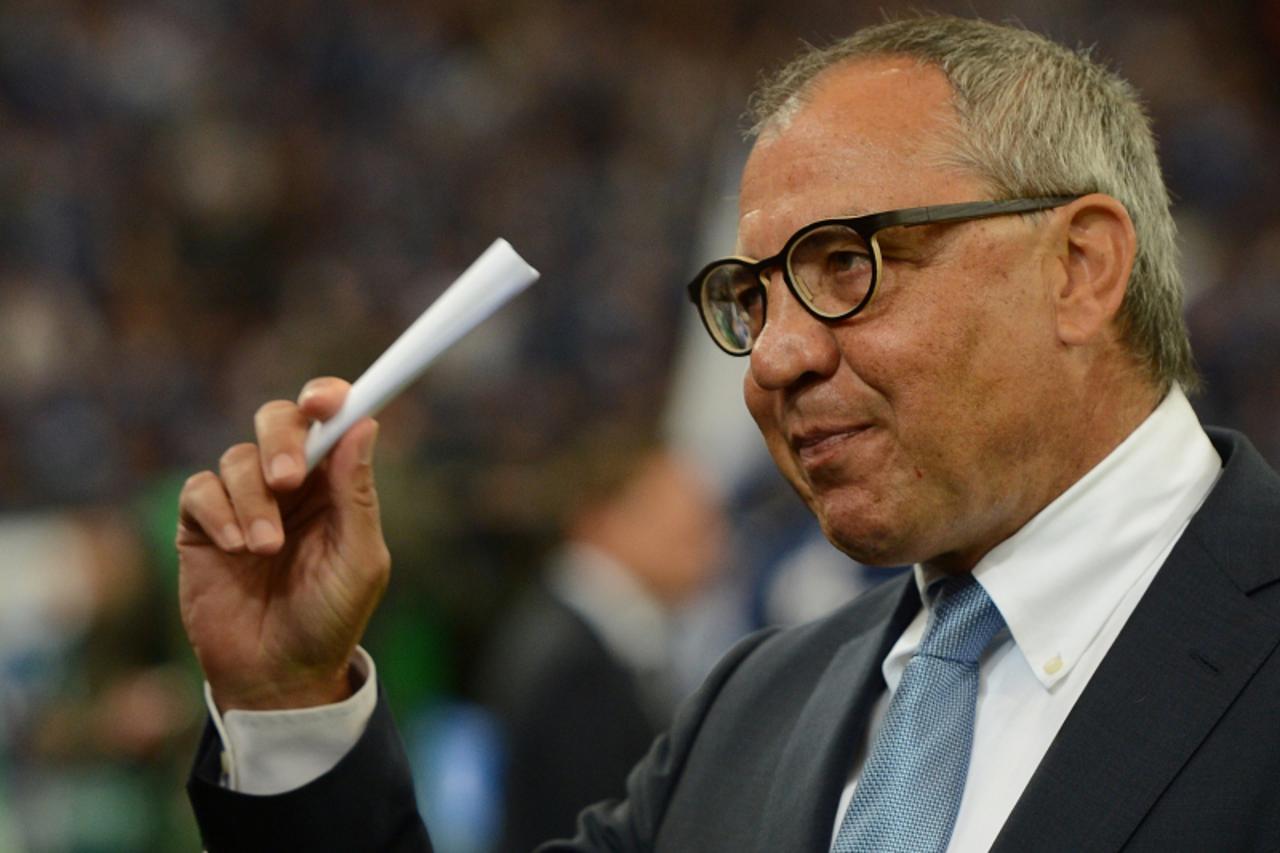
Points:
[740,252]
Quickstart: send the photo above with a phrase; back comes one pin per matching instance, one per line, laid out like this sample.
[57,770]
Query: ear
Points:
[1096,251]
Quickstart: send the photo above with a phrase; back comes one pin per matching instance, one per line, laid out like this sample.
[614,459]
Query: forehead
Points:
[871,135]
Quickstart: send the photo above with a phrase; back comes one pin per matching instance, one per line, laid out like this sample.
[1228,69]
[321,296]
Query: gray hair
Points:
[1036,119]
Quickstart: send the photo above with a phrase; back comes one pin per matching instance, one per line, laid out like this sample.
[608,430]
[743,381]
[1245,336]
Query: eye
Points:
[832,269]
[750,297]
[847,260]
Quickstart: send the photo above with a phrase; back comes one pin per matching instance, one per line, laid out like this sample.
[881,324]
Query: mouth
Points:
[817,448]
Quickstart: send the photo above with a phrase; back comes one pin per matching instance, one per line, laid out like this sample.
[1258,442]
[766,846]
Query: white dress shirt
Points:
[1090,555]
[270,752]
[1065,583]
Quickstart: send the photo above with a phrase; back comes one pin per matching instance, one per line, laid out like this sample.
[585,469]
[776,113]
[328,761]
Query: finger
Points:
[321,398]
[205,514]
[351,460]
[251,499]
[355,497]
[281,430]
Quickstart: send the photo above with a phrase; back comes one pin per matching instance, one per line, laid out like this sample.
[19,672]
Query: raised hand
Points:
[280,572]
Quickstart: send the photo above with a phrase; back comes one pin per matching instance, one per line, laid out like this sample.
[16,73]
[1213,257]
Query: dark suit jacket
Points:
[575,718]
[1174,744]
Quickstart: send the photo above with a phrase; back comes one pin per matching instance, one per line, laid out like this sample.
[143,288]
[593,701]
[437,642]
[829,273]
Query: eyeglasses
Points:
[831,266]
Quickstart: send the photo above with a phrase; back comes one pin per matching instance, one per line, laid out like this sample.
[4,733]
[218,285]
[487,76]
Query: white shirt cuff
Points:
[271,752]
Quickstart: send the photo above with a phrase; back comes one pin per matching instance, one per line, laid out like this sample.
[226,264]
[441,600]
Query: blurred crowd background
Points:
[205,202]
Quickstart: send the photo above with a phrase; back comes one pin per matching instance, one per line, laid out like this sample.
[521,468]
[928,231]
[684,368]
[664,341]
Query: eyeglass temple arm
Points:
[966,210]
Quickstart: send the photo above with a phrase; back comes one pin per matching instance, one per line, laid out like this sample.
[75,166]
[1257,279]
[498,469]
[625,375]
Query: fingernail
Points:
[232,538]
[262,534]
[283,466]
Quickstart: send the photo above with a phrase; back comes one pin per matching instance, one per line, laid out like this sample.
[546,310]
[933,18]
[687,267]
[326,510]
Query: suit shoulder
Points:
[819,639]
[794,658]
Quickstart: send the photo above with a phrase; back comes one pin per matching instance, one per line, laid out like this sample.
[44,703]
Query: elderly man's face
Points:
[920,429]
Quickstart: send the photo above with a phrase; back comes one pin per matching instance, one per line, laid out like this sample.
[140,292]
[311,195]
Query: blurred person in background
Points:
[91,712]
[581,670]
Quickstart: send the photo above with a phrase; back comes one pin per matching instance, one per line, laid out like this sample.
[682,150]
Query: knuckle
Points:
[198,481]
[319,383]
[382,556]
[327,389]
[365,497]
[381,565]
[270,410]
[237,454]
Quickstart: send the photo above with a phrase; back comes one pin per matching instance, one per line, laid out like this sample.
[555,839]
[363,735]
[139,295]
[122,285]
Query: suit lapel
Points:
[1189,648]
[800,810]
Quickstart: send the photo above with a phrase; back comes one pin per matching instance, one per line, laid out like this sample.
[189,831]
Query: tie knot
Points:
[965,619]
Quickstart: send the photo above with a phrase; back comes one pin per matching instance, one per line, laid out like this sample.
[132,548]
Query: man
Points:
[990,391]
[581,669]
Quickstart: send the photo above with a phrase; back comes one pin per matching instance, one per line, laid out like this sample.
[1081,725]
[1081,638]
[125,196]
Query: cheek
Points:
[929,367]
[974,370]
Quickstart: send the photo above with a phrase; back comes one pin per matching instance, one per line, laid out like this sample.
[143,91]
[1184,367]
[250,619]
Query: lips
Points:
[819,446]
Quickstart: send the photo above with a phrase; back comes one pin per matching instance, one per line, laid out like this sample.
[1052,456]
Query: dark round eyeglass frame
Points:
[866,227]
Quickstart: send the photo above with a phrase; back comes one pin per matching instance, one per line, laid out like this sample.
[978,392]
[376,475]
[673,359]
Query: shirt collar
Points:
[1058,579]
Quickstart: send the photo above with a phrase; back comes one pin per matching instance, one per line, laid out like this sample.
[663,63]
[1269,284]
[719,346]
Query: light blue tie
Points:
[910,789]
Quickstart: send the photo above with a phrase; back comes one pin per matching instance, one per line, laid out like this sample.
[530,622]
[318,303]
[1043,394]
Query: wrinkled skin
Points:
[934,424]
[279,575]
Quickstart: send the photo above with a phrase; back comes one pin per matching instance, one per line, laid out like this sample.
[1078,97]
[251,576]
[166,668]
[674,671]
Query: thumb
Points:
[352,491]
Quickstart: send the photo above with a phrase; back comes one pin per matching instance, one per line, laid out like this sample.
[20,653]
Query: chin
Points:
[870,541]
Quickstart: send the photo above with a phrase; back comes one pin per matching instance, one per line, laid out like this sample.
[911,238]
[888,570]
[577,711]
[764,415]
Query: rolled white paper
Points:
[495,277]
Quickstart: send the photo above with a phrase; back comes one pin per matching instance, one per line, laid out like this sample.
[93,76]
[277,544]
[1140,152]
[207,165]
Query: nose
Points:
[794,345]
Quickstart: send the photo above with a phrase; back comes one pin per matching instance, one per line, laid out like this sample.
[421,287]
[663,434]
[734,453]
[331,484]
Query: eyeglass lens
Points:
[733,305]
[831,268]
